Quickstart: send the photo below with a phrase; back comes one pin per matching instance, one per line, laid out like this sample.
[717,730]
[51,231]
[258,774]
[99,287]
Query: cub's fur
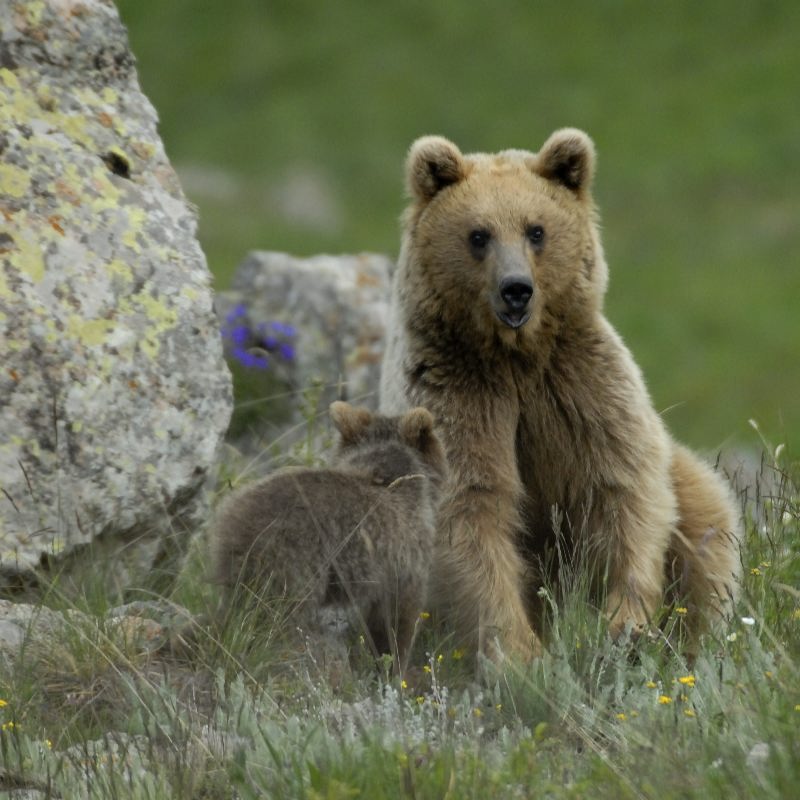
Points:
[356,538]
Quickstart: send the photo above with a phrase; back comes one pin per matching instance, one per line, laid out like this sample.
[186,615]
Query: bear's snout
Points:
[516,292]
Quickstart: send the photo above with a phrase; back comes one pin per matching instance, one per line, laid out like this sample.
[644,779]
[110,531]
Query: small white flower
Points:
[731,637]
[748,621]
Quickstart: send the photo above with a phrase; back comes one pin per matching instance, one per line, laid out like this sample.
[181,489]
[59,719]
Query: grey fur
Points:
[351,542]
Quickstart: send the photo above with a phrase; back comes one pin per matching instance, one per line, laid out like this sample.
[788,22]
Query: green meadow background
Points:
[289,122]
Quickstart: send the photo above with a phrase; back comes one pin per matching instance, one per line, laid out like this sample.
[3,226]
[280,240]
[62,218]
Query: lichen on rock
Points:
[114,394]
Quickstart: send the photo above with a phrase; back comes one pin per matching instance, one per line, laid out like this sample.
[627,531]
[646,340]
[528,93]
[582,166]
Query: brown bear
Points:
[498,328]
[356,538]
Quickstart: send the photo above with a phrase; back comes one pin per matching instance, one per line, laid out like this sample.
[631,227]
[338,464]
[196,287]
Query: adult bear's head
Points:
[502,245]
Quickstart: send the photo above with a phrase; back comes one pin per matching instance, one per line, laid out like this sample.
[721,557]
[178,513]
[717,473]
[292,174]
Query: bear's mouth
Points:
[514,319]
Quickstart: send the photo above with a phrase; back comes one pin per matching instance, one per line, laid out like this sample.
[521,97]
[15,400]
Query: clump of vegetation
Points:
[226,709]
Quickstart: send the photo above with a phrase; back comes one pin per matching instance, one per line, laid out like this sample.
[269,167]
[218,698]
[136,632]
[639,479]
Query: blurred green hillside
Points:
[289,123]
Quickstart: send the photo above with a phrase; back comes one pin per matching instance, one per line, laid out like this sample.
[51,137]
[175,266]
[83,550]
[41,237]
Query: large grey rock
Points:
[319,319]
[114,394]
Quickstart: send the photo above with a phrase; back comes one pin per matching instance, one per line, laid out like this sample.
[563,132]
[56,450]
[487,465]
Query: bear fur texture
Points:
[498,328]
[352,542]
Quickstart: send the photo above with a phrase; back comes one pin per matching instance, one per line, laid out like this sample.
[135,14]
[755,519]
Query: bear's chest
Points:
[563,442]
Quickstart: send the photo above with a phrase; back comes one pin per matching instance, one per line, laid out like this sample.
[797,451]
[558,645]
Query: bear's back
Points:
[294,523]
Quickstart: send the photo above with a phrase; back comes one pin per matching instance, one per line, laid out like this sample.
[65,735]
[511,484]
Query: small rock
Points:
[306,320]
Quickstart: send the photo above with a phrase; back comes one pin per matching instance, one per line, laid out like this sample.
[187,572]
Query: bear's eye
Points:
[535,234]
[479,239]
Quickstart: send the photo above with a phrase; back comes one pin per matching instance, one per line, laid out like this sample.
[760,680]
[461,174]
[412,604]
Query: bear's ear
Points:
[567,157]
[416,427]
[349,420]
[433,163]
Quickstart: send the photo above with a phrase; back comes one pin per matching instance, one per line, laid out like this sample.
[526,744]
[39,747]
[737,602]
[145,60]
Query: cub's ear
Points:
[433,163]
[349,420]
[416,427]
[567,157]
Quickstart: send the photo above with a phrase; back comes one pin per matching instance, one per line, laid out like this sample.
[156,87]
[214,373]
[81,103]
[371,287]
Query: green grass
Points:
[692,107]
[236,709]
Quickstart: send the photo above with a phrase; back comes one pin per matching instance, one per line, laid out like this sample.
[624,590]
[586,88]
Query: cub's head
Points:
[502,245]
[387,448]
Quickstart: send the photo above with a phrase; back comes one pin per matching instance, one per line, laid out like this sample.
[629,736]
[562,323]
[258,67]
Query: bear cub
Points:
[352,541]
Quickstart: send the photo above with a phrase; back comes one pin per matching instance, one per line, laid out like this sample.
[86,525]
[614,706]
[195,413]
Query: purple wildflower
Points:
[287,351]
[251,345]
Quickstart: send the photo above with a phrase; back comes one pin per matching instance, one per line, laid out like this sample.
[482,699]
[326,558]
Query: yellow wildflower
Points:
[687,680]
[755,571]
[664,700]
[426,668]
[425,615]
[689,713]
[420,700]
[498,707]
[765,564]
[3,703]
[403,685]
[458,655]
[767,674]
[477,712]
[621,716]
[681,610]
[439,658]
[650,685]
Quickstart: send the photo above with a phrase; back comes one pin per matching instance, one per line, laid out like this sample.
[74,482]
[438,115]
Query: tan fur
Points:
[357,537]
[538,401]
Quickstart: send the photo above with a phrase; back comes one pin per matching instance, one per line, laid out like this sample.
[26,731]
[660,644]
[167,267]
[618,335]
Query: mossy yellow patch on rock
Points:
[9,79]
[120,269]
[14,182]
[34,10]
[89,332]
[28,259]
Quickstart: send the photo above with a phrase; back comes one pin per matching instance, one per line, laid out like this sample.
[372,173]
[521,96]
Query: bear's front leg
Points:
[479,573]
[478,568]
[631,533]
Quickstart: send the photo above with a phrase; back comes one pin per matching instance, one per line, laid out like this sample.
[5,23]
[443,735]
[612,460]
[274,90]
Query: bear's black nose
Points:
[516,291]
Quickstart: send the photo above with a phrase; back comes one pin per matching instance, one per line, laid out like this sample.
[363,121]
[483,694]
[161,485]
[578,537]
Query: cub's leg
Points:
[409,606]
